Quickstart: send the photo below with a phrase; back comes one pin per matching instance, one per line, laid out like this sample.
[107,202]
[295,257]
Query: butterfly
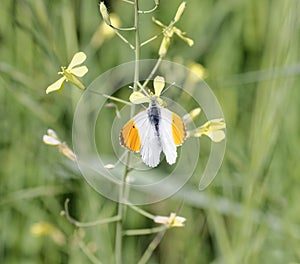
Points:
[153,130]
[70,74]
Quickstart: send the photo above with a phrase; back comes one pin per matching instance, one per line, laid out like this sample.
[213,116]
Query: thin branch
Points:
[137,45]
[145,231]
[165,28]
[111,97]
[88,253]
[152,72]
[141,211]
[151,10]
[87,224]
[128,2]
[152,246]
[122,29]
[123,38]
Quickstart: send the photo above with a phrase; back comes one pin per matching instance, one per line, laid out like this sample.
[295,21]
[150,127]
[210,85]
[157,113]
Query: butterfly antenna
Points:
[166,89]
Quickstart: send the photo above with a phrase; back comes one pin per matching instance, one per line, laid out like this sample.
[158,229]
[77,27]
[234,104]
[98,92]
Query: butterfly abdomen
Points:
[154,115]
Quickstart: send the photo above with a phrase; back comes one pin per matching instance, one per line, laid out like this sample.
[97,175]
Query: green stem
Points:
[129,2]
[145,231]
[121,204]
[137,44]
[88,253]
[123,29]
[87,224]
[149,11]
[141,211]
[152,73]
[123,38]
[152,246]
[121,209]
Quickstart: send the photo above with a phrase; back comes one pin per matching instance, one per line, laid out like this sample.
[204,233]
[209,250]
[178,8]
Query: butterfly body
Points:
[153,131]
[154,114]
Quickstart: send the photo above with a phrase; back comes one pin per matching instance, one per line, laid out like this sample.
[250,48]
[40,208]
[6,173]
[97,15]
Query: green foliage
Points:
[250,214]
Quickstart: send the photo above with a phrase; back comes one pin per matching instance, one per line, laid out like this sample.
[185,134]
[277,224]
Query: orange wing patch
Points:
[178,130]
[130,137]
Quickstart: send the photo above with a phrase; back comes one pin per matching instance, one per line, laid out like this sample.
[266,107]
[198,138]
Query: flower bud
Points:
[104,13]
[179,12]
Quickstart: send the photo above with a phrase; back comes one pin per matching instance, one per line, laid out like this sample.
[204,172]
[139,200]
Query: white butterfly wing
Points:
[166,136]
[150,144]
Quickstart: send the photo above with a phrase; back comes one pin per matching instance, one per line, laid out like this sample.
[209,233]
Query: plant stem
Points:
[152,73]
[121,204]
[121,209]
[88,253]
[87,224]
[141,211]
[137,44]
[145,231]
[152,246]
[123,38]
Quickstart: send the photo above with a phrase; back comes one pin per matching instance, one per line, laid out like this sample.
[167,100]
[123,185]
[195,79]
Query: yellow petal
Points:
[138,98]
[51,140]
[216,124]
[77,59]
[176,221]
[52,133]
[79,71]
[159,84]
[217,136]
[179,12]
[161,219]
[171,221]
[58,85]
[212,128]
[180,34]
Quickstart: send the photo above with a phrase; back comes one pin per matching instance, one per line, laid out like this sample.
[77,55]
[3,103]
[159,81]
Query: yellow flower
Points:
[168,31]
[70,74]
[140,98]
[46,229]
[52,139]
[172,221]
[212,128]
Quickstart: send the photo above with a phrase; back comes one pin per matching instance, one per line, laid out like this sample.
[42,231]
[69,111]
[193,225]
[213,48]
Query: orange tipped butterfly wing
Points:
[139,135]
[172,134]
[130,137]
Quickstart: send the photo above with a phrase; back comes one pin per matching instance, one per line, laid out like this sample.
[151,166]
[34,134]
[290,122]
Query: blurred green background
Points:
[251,212]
